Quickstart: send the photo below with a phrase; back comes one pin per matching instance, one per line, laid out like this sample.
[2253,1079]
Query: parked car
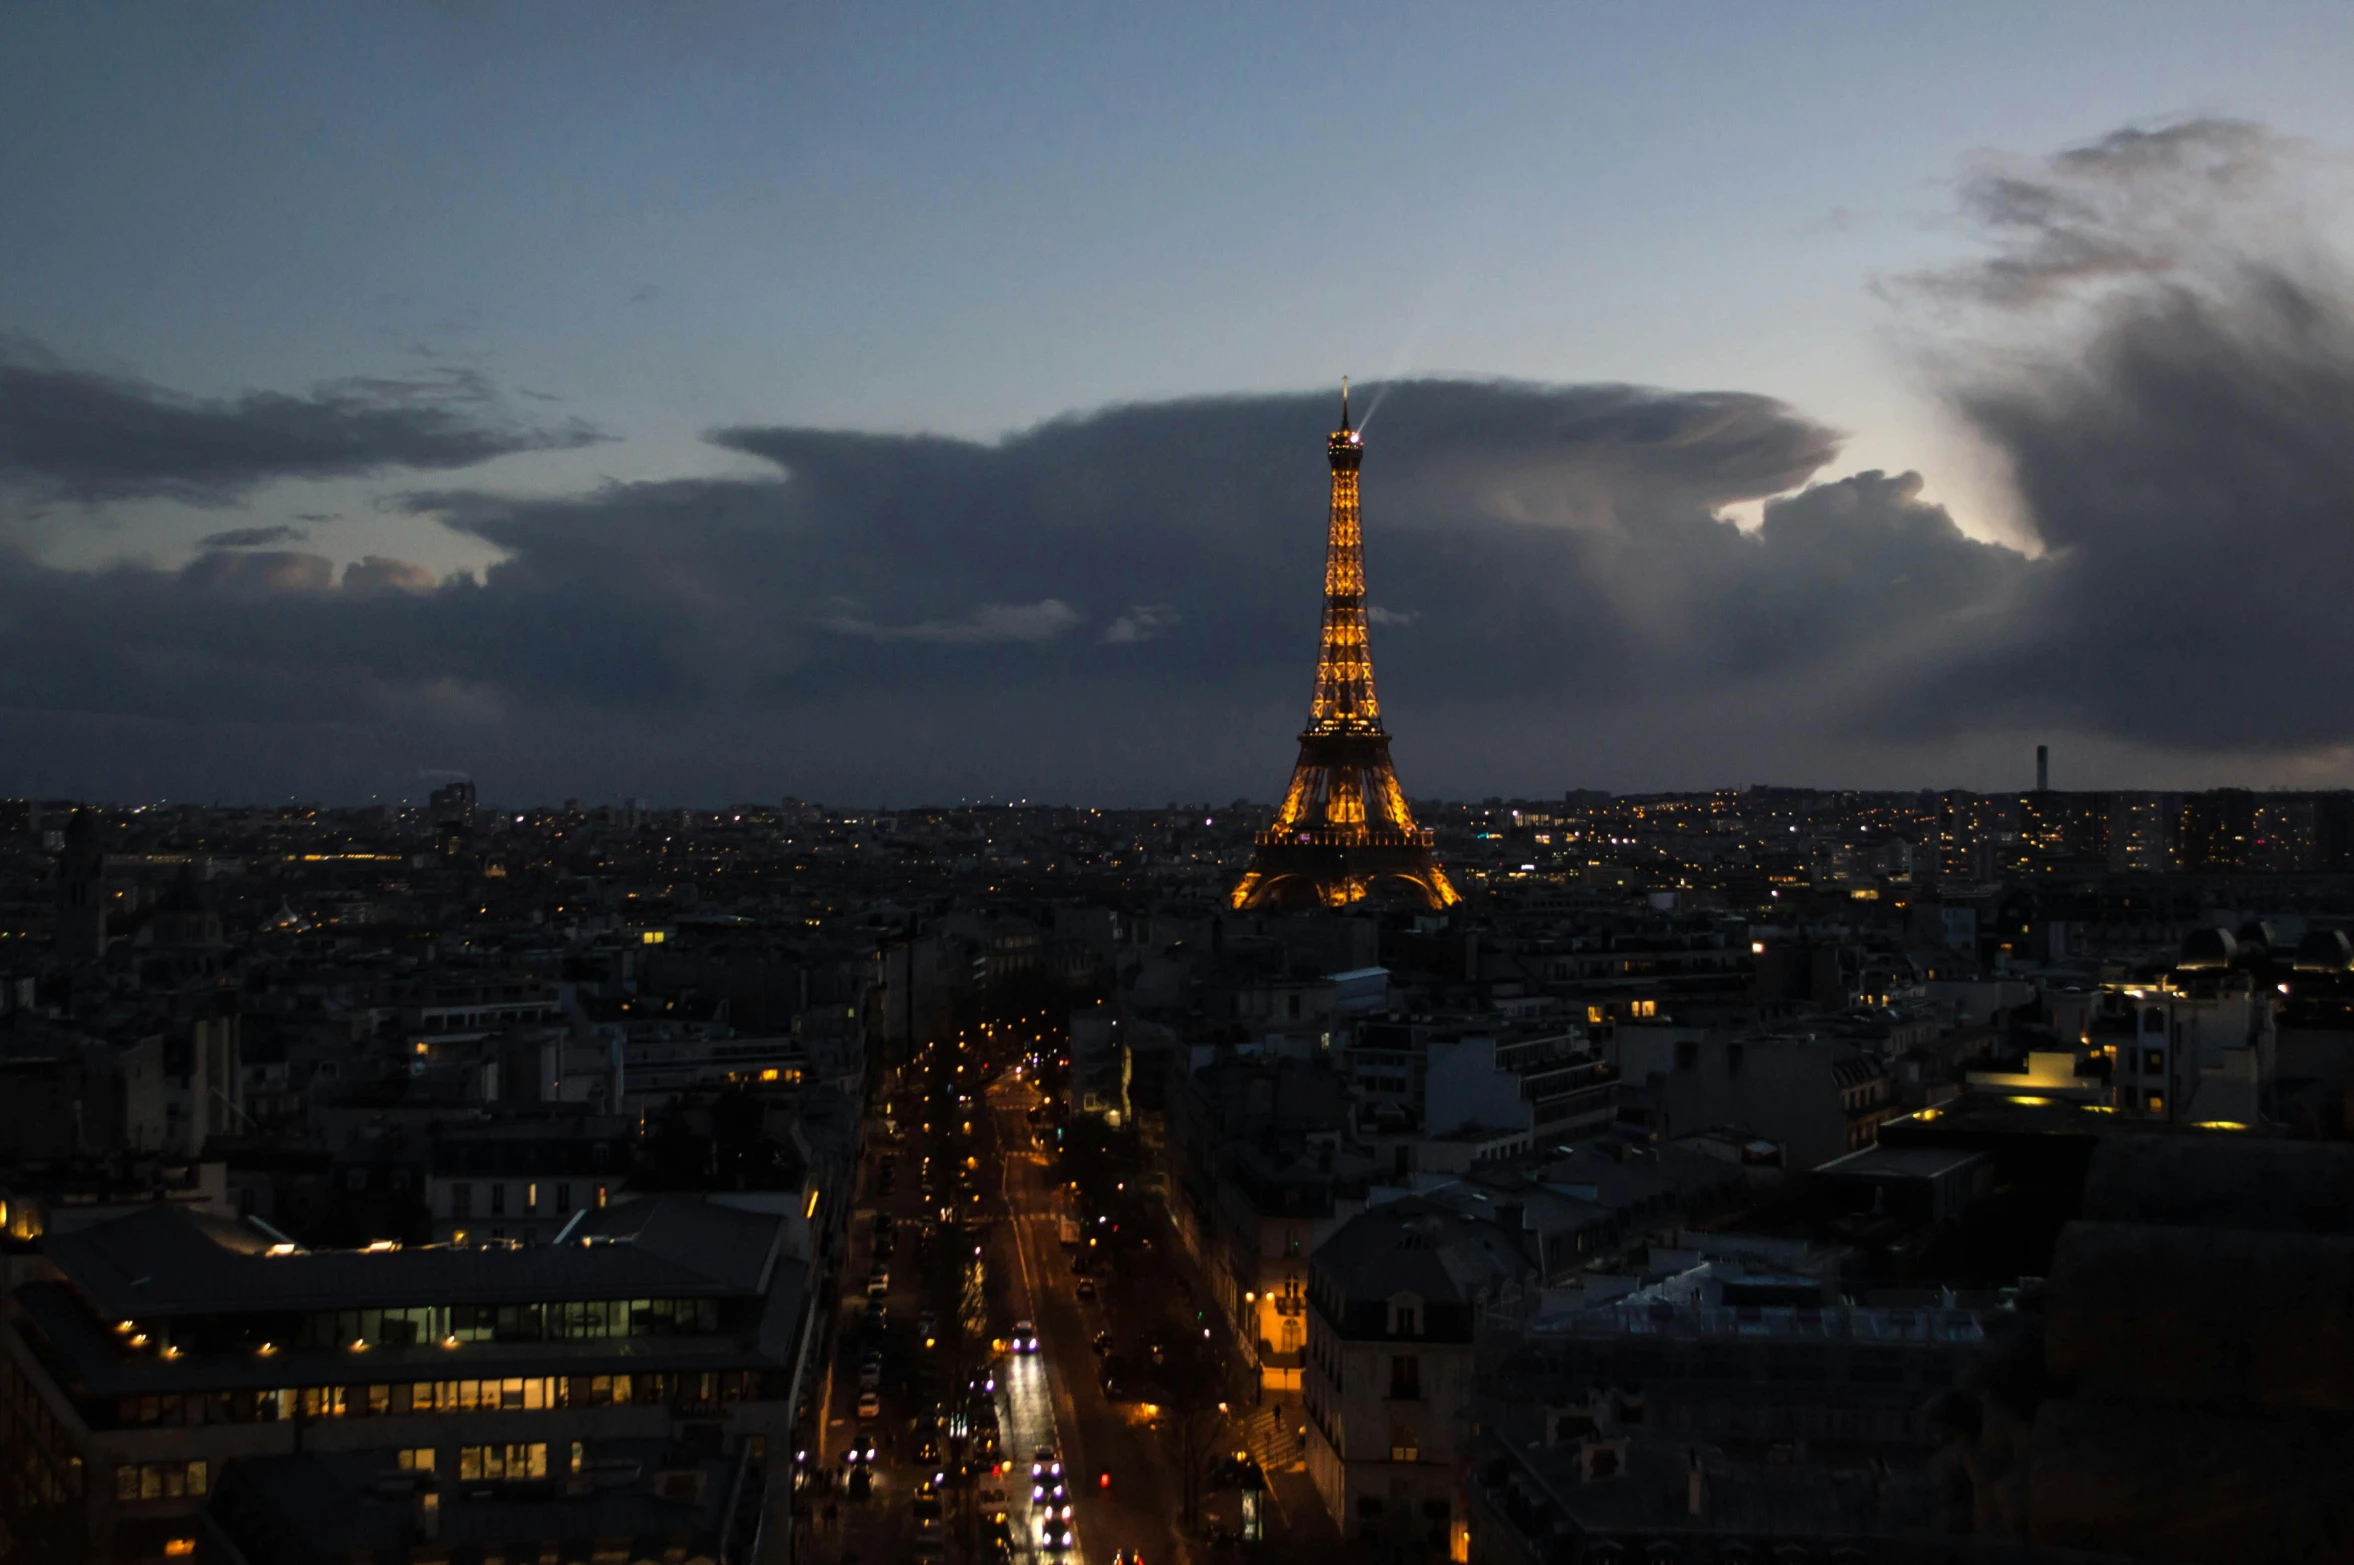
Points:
[870,1405]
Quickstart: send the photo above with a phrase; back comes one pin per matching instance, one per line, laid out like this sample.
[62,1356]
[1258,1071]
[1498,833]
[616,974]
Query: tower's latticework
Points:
[1344,824]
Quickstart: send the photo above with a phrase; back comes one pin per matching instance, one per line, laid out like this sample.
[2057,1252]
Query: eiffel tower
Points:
[1345,824]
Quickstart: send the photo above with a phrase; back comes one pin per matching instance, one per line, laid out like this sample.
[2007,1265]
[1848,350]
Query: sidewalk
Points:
[1298,1526]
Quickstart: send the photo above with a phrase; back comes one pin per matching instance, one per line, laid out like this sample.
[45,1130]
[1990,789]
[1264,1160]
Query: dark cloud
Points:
[259,572]
[76,434]
[2175,425]
[253,537]
[2189,473]
[1116,605]
[380,573]
[2137,204]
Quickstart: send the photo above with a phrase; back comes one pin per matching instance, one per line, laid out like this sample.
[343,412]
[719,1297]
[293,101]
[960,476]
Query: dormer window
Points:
[1405,1315]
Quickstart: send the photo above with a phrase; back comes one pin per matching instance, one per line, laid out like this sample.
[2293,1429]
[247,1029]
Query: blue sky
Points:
[661,221]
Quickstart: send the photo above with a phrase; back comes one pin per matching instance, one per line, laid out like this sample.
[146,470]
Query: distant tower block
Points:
[2043,768]
[1344,826]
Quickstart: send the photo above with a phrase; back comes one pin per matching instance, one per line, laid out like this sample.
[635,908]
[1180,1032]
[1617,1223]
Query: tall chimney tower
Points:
[2043,768]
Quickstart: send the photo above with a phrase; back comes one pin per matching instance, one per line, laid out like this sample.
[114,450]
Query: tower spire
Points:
[1344,404]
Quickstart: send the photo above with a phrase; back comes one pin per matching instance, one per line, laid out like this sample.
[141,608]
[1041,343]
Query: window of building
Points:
[563,1197]
[159,1480]
[2153,1062]
[461,1199]
[1405,1315]
[1405,1446]
[417,1459]
[1405,1378]
[498,1199]
[532,1393]
[502,1463]
[2157,1102]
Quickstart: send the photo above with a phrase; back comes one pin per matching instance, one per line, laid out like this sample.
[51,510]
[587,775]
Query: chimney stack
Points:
[2043,768]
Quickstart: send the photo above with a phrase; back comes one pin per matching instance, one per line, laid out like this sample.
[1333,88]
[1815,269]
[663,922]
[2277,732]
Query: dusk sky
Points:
[883,404]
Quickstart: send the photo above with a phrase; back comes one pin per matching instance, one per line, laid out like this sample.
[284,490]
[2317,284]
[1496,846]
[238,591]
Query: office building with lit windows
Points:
[144,1363]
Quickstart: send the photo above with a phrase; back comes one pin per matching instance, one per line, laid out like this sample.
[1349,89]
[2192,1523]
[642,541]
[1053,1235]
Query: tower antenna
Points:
[1344,402]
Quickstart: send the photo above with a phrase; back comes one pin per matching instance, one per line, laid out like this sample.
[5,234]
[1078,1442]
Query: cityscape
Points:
[662,923]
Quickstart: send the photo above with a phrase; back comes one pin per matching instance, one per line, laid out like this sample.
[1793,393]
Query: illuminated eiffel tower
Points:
[1345,824]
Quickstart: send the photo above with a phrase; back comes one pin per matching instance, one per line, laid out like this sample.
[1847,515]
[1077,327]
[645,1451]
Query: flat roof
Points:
[169,1261]
[1879,1162]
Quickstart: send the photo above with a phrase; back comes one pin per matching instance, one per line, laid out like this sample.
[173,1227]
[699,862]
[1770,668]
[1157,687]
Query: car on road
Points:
[1101,1342]
[1086,1287]
[1055,1534]
[1025,1337]
[870,1406]
[870,1373]
[1046,1462]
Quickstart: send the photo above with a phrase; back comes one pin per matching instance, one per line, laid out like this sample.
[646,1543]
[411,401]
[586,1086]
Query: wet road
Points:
[1050,1399]
[1137,1513]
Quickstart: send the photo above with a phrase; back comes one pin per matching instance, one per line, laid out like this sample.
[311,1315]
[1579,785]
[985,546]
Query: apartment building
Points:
[146,1359]
[1393,1299]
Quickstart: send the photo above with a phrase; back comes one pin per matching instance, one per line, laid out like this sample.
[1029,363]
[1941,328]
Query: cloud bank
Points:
[1122,605]
[74,434]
